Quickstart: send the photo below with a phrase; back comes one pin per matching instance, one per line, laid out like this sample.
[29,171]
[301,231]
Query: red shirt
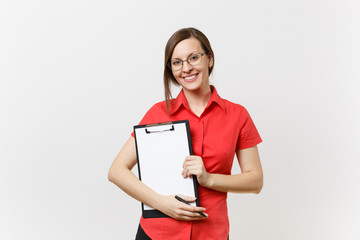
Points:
[221,129]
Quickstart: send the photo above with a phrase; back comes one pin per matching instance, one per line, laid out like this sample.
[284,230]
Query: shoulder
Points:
[237,112]
[156,113]
[158,107]
[233,107]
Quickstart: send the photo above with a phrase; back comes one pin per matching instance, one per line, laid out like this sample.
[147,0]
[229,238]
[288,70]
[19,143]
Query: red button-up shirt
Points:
[221,129]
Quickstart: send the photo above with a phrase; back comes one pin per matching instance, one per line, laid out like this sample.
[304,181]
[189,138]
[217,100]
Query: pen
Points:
[182,200]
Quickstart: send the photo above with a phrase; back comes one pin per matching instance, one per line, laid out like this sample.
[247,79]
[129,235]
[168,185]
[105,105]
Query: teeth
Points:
[191,77]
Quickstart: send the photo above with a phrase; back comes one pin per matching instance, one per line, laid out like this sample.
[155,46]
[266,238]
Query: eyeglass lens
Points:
[193,60]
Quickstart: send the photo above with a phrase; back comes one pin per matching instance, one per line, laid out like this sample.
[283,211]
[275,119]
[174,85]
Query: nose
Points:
[186,67]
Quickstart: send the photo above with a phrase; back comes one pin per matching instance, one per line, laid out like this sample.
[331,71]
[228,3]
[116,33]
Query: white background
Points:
[75,76]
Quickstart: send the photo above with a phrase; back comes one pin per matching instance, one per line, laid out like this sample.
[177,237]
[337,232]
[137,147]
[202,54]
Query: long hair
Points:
[177,37]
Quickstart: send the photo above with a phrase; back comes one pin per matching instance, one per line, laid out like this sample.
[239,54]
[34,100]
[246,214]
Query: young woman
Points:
[219,130]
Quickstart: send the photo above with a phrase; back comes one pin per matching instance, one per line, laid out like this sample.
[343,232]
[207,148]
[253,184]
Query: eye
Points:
[193,58]
[176,62]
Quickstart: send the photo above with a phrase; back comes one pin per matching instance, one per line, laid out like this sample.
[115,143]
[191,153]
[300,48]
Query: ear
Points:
[211,62]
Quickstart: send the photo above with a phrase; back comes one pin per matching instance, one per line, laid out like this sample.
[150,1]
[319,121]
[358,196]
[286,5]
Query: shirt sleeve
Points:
[149,117]
[248,135]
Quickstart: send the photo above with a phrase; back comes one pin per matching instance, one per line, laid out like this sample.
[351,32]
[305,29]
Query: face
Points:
[191,78]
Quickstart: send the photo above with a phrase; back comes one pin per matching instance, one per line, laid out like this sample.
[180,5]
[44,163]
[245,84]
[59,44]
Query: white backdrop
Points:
[75,76]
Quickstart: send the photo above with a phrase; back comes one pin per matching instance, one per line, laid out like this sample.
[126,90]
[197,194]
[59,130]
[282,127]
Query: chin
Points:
[191,86]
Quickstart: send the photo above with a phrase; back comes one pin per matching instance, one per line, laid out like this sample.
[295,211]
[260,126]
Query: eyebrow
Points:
[188,55]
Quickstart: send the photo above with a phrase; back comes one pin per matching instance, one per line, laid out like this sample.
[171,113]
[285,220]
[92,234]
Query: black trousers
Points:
[141,235]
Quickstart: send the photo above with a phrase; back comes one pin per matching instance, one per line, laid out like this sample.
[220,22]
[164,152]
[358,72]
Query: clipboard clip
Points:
[159,124]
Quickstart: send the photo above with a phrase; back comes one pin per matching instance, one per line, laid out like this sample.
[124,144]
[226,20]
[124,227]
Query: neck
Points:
[198,99]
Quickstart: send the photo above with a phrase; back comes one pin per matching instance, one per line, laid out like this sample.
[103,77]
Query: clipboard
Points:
[161,150]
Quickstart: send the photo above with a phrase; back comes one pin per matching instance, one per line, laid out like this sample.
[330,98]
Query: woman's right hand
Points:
[179,210]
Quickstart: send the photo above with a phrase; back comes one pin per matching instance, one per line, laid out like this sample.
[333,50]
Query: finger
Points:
[187,162]
[187,198]
[186,218]
[196,215]
[190,215]
[188,173]
[192,158]
[191,163]
[194,172]
[185,171]
[193,166]
[189,208]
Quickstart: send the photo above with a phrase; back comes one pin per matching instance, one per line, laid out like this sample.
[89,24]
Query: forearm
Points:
[129,183]
[120,174]
[247,182]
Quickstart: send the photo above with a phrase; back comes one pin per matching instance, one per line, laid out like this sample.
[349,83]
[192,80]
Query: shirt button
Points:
[198,139]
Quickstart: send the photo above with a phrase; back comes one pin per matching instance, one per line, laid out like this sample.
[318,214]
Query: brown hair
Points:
[177,37]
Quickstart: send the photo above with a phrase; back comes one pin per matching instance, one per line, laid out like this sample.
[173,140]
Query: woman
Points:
[219,130]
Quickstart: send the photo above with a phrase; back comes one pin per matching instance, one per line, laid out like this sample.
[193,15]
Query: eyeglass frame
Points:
[187,60]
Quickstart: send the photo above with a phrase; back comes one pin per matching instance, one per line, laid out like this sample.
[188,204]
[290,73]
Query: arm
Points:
[249,181]
[120,174]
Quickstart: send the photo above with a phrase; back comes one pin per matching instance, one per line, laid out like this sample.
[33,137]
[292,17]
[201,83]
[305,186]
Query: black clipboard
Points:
[161,149]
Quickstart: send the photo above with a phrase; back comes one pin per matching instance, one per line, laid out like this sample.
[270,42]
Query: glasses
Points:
[193,60]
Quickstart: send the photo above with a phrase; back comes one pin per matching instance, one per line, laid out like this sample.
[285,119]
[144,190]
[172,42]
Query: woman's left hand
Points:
[193,165]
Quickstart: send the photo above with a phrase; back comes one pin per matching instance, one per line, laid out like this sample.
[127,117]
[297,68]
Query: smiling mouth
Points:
[191,77]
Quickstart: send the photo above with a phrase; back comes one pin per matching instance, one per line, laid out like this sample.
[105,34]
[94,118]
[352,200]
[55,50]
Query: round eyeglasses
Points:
[194,59]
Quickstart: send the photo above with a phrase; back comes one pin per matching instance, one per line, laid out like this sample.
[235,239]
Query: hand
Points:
[179,210]
[193,165]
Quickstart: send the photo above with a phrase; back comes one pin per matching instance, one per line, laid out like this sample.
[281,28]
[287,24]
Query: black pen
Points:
[186,202]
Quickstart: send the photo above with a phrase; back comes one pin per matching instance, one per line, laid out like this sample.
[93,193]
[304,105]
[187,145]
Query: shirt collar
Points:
[180,100]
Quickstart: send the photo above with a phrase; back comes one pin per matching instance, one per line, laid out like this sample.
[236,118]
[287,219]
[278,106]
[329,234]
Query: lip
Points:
[191,80]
